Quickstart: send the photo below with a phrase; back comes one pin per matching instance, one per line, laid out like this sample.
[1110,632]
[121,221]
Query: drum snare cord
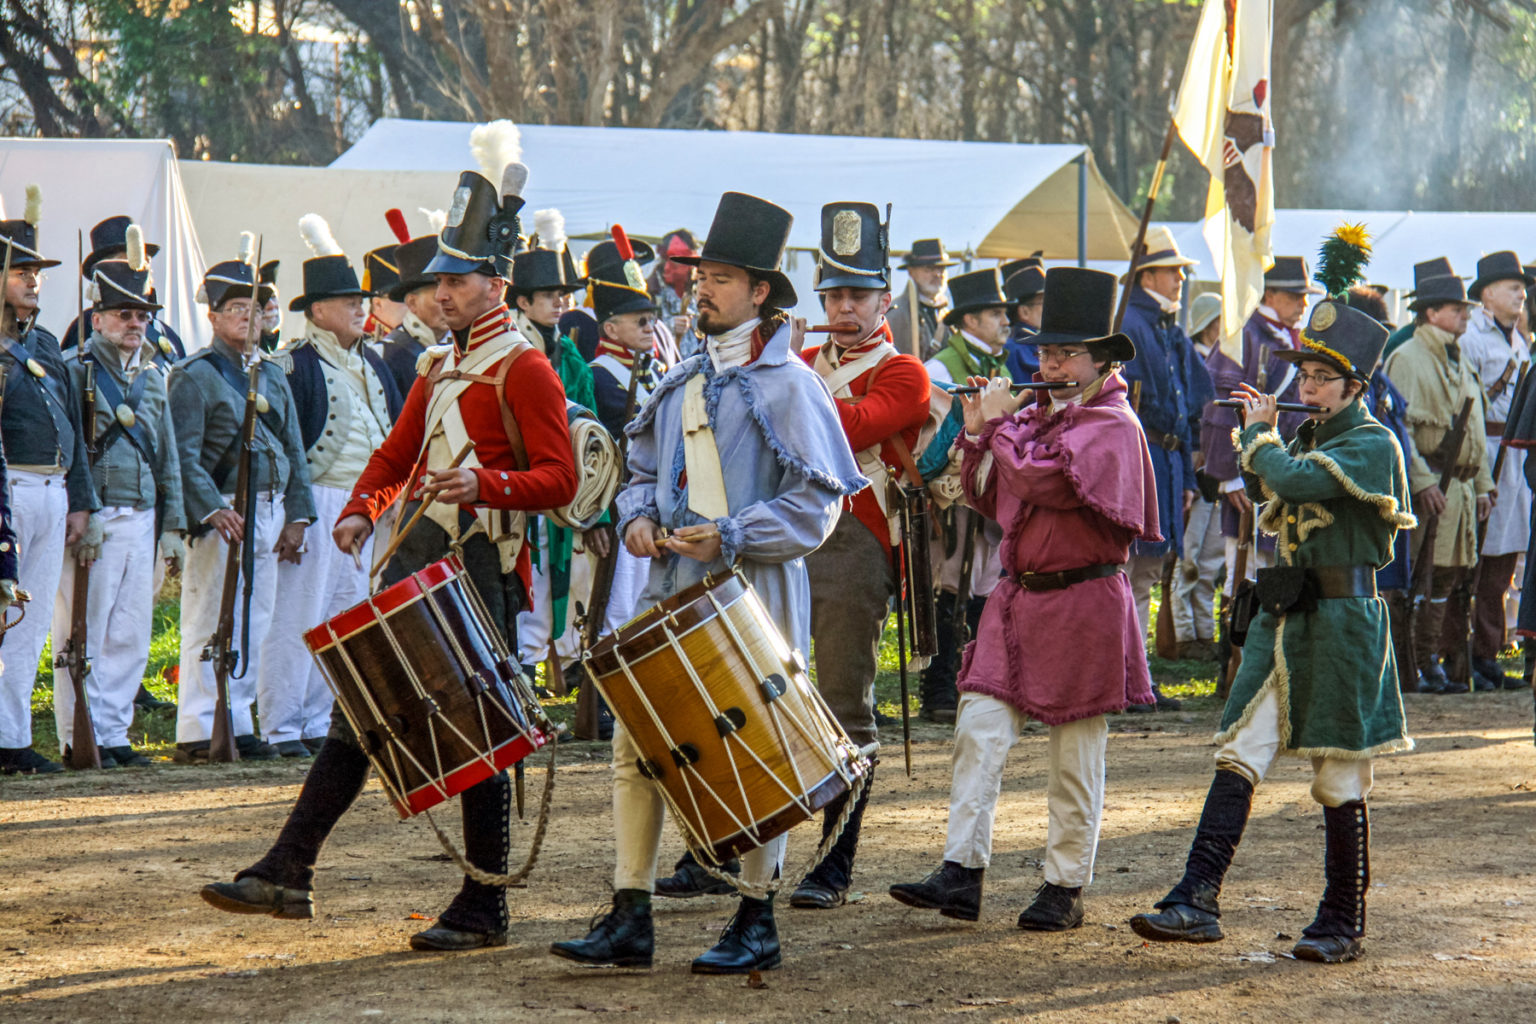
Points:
[518,878]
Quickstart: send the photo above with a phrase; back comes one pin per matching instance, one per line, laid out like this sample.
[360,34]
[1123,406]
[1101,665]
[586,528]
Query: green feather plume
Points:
[1342,260]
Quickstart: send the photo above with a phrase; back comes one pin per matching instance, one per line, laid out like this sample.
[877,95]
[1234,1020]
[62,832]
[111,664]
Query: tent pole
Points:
[1082,208]
[1146,215]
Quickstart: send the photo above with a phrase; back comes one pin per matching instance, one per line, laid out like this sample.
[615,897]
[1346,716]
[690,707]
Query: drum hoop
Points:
[397,596]
[668,609]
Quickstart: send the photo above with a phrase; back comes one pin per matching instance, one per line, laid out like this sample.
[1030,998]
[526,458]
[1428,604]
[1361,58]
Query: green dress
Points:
[1336,496]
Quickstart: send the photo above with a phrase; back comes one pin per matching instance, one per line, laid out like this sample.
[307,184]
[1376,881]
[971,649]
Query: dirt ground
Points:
[100,918]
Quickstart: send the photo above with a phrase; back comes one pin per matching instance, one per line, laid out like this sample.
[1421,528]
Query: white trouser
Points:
[534,627]
[202,584]
[986,556]
[637,809]
[1257,559]
[1194,590]
[1251,751]
[39,505]
[629,578]
[985,730]
[291,692]
[118,617]
[1144,571]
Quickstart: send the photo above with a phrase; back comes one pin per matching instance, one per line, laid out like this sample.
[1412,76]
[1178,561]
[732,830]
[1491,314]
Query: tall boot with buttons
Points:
[478,914]
[1334,935]
[936,695]
[1190,912]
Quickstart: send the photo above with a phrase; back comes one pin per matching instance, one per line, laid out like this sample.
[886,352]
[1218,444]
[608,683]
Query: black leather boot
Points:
[688,880]
[1190,912]
[826,885]
[338,775]
[952,890]
[749,943]
[1055,908]
[478,914]
[623,937]
[251,895]
[936,694]
[1334,935]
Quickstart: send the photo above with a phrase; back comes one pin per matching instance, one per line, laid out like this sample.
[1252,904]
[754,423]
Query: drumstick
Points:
[399,538]
[1233,403]
[357,555]
[667,537]
[831,329]
[1034,385]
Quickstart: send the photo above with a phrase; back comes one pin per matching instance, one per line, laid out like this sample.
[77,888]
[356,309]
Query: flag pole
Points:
[1146,215]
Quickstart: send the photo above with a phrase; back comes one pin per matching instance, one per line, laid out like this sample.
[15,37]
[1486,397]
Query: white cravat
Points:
[734,347]
[1169,306]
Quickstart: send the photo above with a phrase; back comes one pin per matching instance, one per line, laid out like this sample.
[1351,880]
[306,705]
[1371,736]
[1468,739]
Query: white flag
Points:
[1223,116]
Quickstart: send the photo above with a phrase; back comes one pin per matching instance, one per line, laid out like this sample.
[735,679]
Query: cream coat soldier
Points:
[134,468]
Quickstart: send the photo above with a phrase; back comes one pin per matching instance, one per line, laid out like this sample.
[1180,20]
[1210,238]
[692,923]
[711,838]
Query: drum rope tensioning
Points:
[517,878]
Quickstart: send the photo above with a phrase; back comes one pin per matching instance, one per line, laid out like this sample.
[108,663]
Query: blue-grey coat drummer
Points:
[1318,679]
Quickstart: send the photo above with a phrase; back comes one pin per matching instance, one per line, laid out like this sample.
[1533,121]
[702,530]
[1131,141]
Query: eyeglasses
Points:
[237,309]
[1317,378]
[644,322]
[132,316]
[1050,354]
[29,274]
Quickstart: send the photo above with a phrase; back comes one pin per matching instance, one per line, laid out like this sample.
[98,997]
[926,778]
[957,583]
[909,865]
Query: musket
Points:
[221,745]
[907,598]
[83,752]
[960,621]
[1422,580]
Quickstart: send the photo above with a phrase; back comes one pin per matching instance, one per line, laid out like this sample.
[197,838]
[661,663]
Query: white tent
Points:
[85,181]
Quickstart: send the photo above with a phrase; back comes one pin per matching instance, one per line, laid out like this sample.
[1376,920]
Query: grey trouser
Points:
[852,581]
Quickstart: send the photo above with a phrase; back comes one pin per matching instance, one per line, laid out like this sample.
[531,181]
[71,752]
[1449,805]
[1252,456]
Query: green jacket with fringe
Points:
[1336,496]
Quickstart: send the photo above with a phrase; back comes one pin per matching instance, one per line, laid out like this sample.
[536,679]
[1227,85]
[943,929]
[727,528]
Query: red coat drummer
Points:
[468,393]
[1070,480]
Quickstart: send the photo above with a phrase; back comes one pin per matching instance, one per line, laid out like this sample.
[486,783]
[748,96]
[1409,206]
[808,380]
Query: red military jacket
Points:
[898,403]
[533,392]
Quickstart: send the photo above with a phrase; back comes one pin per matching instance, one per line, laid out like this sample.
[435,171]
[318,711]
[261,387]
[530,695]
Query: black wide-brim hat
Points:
[1498,266]
[974,292]
[1423,271]
[1080,310]
[327,277]
[1341,336]
[119,286]
[109,239]
[411,258]
[750,233]
[927,252]
[1290,274]
[21,238]
[1023,279]
[1435,291]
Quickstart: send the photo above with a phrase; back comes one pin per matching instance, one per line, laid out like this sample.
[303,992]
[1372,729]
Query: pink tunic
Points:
[1073,489]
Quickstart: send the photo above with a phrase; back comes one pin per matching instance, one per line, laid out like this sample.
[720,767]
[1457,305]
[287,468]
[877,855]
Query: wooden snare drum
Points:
[427,683]
[729,727]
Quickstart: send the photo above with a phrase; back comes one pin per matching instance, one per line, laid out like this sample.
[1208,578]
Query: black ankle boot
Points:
[750,942]
[937,697]
[826,886]
[1334,935]
[689,879]
[481,909]
[952,890]
[1190,912]
[623,937]
[335,779]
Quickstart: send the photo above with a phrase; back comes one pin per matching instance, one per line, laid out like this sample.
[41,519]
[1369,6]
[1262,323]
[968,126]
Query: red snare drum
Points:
[427,683]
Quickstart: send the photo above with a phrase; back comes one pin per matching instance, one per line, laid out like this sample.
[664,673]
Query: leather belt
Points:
[1065,578]
[1158,439]
[1459,473]
[1494,429]
[1344,580]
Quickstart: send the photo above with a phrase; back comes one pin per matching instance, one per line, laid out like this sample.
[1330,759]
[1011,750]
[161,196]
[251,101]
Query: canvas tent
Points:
[992,199]
[84,181]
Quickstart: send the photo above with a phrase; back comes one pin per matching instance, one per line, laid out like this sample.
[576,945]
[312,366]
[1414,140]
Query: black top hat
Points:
[1290,274]
[1080,310]
[855,248]
[230,280]
[749,233]
[970,293]
[539,270]
[119,286]
[1435,291]
[1341,336]
[927,252]
[610,299]
[1498,266]
[482,230]
[20,237]
[327,277]
[605,264]
[109,239]
[411,259]
[380,273]
[1023,279]
[269,273]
